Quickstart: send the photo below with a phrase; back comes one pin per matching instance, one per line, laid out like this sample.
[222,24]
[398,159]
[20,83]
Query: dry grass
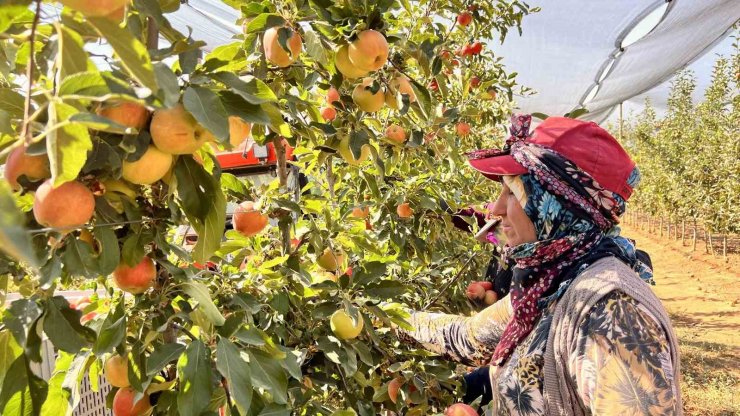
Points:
[710,381]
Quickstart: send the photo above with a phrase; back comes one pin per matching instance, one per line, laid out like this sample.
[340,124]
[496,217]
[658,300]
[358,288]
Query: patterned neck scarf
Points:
[574,218]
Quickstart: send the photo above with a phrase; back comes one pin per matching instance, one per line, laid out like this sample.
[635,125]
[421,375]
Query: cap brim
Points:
[497,166]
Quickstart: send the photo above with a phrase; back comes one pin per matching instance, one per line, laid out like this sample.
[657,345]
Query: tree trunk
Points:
[282,171]
[683,231]
[706,242]
[669,228]
[724,246]
[693,243]
[711,245]
[660,224]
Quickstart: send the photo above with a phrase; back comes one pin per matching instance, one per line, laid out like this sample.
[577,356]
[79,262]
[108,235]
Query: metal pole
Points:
[621,120]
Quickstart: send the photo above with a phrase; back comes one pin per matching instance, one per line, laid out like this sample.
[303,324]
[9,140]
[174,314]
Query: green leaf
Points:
[73,57]
[6,125]
[541,116]
[423,99]
[269,375]
[251,336]
[73,378]
[112,332]
[59,330]
[163,354]
[236,371]
[227,58]
[57,402]
[23,392]
[79,259]
[132,53]
[14,12]
[358,139]
[314,48]
[250,88]
[195,187]
[577,113]
[12,102]
[134,247]
[385,289]
[9,351]
[199,292]
[110,252]
[20,317]
[66,146]
[211,230]
[95,85]
[275,410]
[206,106]
[101,123]
[236,105]
[169,88]
[292,362]
[277,123]
[263,22]
[14,238]
[194,375]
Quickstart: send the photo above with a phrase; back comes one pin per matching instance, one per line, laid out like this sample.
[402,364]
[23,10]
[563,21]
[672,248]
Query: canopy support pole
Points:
[621,124]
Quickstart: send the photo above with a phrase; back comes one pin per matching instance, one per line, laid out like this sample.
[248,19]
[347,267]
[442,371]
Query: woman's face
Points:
[515,223]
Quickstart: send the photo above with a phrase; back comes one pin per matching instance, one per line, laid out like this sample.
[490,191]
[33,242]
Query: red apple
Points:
[332,96]
[491,297]
[393,387]
[460,409]
[136,279]
[475,291]
[464,19]
[462,129]
[123,403]
[248,220]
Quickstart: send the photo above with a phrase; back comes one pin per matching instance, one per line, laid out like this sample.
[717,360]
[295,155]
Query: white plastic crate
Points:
[92,403]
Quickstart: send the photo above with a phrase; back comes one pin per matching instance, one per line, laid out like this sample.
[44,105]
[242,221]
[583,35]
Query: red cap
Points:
[584,143]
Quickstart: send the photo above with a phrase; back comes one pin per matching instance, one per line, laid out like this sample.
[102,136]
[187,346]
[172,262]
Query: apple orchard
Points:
[108,152]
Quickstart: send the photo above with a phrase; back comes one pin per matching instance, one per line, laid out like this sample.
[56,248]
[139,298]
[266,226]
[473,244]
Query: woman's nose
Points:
[499,207]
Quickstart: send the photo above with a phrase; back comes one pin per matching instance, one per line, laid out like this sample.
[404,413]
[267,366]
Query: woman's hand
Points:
[478,384]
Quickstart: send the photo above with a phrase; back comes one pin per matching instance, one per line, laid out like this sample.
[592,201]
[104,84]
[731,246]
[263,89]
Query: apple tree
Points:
[111,120]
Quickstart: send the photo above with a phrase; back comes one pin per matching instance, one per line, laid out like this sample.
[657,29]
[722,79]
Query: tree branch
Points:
[26,130]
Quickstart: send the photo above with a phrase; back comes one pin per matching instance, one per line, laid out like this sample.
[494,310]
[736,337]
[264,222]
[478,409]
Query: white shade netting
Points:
[688,30]
[565,49]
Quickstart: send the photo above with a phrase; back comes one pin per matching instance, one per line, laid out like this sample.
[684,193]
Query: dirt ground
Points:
[702,296]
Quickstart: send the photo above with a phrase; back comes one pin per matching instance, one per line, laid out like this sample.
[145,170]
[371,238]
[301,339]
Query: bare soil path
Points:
[702,295]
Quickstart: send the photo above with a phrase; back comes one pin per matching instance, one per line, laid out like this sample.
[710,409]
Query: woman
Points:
[580,332]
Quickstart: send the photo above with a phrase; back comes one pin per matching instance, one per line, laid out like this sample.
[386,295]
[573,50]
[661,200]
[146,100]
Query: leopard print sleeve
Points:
[468,340]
